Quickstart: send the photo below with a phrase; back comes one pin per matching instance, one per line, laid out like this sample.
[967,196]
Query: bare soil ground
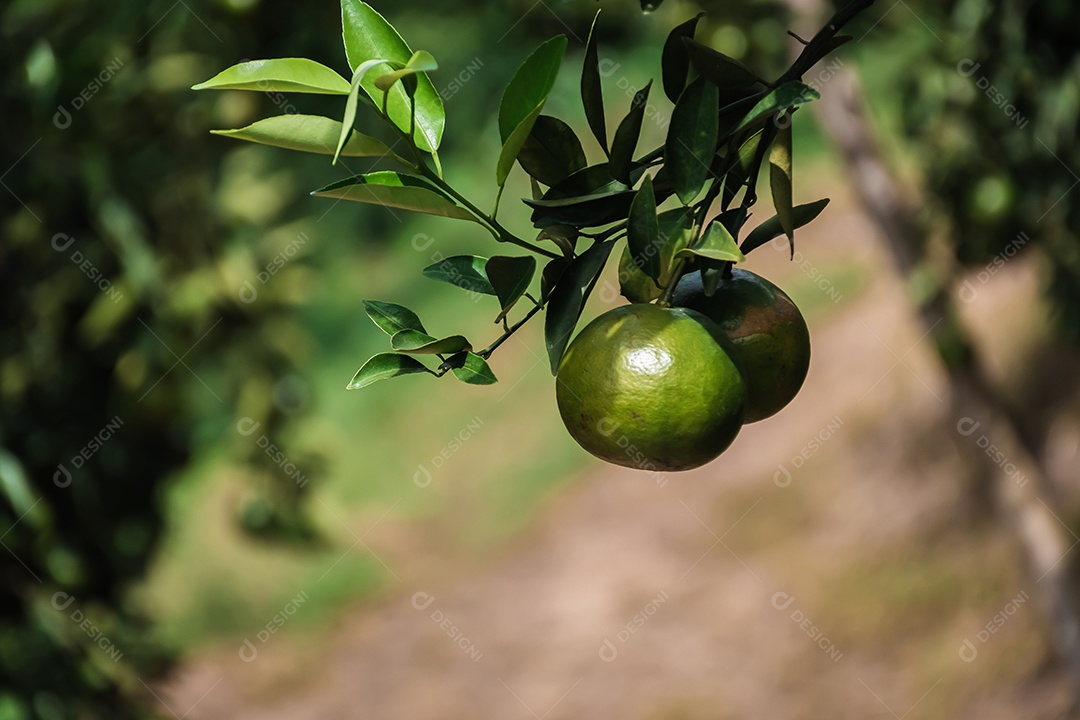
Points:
[825,566]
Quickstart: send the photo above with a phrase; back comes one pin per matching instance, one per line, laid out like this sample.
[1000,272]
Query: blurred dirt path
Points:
[715,594]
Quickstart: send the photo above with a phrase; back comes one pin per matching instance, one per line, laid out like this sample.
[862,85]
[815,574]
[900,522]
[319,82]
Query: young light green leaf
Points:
[510,277]
[398,190]
[643,230]
[716,243]
[464,271]
[392,318]
[568,299]
[626,137]
[368,36]
[592,96]
[421,61]
[788,95]
[724,72]
[282,75]
[384,366]
[524,98]
[675,60]
[471,368]
[352,101]
[418,343]
[780,181]
[691,139]
[771,228]
[309,133]
[552,151]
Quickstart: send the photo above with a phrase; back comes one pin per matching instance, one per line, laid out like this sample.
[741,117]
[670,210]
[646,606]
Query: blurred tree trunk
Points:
[1027,508]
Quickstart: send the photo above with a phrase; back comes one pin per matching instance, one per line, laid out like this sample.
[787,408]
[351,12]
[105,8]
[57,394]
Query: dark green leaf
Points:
[392,318]
[825,48]
[524,98]
[384,366]
[691,139]
[626,137]
[413,341]
[421,61]
[725,72]
[740,169]
[510,278]
[552,151]
[592,96]
[568,299]
[675,60]
[787,95]
[593,180]
[716,243]
[643,231]
[780,181]
[309,133]
[675,226]
[399,190]
[771,228]
[584,211]
[465,271]
[369,36]
[283,75]
[549,278]
[471,368]
[564,236]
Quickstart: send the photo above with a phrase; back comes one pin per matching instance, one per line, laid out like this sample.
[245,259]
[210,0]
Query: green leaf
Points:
[771,228]
[398,190]
[464,271]
[309,133]
[565,236]
[352,101]
[780,182]
[384,366]
[691,139]
[421,61]
[552,151]
[412,341]
[471,368]
[524,98]
[626,137]
[785,96]
[583,211]
[716,243]
[739,171]
[675,226]
[643,230]
[825,48]
[593,180]
[510,278]
[675,60]
[283,75]
[592,96]
[568,299]
[725,72]
[369,36]
[392,318]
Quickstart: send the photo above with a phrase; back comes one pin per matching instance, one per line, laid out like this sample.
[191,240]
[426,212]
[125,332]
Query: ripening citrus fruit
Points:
[651,388]
[769,335]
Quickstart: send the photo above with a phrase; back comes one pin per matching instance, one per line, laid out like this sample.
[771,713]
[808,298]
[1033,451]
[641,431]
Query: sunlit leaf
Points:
[780,181]
[281,75]
[643,230]
[398,190]
[419,343]
[421,61]
[524,98]
[384,366]
[392,318]
[368,36]
[471,368]
[309,133]
[716,243]
[352,102]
